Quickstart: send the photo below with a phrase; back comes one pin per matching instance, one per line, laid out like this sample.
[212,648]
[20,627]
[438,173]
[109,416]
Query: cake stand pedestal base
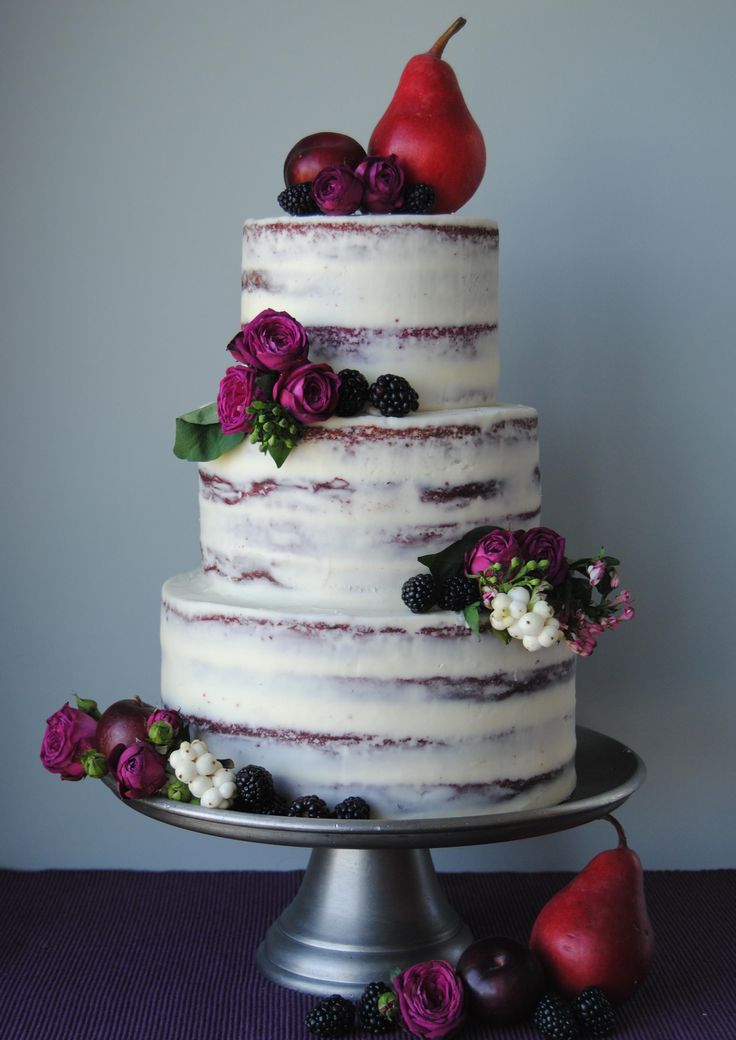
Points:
[370,900]
[358,914]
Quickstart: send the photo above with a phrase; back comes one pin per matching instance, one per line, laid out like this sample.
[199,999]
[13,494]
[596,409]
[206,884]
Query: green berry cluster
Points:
[275,430]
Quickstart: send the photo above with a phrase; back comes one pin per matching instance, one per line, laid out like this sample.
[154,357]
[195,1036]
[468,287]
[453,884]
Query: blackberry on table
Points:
[420,198]
[419,593]
[331,1017]
[297,200]
[353,392]
[310,806]
[353,808]
[255,789]
[458,592]
[554,1019]
[595,1012]
[370,1017]
[393,396]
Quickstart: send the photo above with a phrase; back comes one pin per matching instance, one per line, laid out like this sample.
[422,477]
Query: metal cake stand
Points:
[370,899]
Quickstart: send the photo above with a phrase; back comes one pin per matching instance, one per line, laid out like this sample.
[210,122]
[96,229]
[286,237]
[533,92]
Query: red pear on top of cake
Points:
[429,128]
[596,931]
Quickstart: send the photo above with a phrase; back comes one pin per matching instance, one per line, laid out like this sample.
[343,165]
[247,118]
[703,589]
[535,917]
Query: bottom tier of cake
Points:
[412,712]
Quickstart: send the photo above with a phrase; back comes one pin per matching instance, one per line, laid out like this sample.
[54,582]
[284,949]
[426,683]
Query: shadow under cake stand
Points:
[370,899]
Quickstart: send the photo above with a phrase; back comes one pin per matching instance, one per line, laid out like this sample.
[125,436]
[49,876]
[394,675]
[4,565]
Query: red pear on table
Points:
[429,128]
[596,931]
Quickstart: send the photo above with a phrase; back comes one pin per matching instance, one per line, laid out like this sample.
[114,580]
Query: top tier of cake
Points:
[416,296]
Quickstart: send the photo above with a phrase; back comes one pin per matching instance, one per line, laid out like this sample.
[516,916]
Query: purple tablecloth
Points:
[108,955]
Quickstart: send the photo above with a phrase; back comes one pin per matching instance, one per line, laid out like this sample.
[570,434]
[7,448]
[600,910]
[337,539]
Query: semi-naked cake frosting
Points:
[290,646]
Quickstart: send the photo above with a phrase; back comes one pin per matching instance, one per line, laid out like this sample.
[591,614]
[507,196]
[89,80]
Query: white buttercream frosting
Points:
[290,647]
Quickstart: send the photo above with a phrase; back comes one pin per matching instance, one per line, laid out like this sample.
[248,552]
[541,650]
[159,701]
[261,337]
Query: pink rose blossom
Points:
[498,546]
[273,341]
[309,392]
[237,391]
[542,543]
[139,770]
[384,184]
[69,733]
[430,999]
[337,190]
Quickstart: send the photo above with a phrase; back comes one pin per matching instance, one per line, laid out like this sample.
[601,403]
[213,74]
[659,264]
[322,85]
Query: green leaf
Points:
[199,437]
[472,617]
[450,561]
[279,452]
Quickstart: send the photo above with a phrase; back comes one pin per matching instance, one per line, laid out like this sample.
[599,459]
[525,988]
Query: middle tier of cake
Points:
[342,523]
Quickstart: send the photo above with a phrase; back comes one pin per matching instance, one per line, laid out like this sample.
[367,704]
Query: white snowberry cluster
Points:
[205,776]
[527,617]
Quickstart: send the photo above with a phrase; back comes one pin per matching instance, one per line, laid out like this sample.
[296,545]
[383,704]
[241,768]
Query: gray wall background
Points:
[136,137]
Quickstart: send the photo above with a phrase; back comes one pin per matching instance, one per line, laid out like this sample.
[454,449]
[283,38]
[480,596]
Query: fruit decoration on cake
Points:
[526,585]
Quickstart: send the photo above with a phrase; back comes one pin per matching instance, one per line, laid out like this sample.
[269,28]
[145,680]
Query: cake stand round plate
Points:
[370,899]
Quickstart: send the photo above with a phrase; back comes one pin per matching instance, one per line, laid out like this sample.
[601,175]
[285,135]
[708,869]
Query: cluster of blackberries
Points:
[423,591]
[257,794]
[589,1015]
[391,395]
[376,1013]
[297,200]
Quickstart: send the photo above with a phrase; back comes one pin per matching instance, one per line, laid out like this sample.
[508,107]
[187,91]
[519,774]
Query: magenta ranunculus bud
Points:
[237,391]
[69,733]
[542,543]
[308,392]
[430,999]
[383,181]
[140,771]
[338,190]
[273,341]
[499,546]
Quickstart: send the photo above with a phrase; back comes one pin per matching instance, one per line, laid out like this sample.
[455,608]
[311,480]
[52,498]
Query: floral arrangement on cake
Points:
[525,586]
[149,751]
[273,391]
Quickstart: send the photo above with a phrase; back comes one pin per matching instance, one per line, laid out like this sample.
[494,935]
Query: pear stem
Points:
[437,48]
[622,843]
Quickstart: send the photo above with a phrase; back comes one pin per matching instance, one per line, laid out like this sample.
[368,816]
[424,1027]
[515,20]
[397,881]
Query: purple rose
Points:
[542,543]
[236,393]
[337,190]
[273,341]
[430,999]
[308,392]
[497,547]
[139,770]
[69,733]
[384,184]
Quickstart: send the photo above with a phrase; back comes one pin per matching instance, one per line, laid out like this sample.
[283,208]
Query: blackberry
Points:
[297,200]
[458,592]
[420,198]
[370,1017]
[255,789]
[392,395]
[554,1019]
[595,1012]
[278,807]
[353,392]
[419,593]
[331,1017]
[309,805]
[353,808]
